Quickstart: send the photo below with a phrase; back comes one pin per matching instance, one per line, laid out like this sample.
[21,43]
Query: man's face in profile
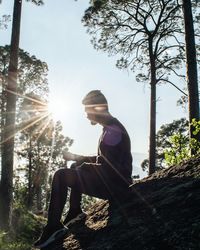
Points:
[91,114]
[95,113]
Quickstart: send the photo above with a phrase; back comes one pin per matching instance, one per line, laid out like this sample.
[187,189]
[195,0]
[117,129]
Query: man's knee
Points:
[73,165]
[67,176]
[59,173]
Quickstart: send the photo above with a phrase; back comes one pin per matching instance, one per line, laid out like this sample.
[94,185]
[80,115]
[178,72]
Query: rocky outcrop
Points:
[162,212]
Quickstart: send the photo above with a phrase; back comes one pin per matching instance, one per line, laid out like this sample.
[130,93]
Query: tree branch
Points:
[165,80]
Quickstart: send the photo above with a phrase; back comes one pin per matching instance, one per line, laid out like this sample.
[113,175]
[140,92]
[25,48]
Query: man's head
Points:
[96,106]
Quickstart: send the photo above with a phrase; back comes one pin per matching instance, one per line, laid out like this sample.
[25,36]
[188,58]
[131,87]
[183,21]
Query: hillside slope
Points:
[162,213]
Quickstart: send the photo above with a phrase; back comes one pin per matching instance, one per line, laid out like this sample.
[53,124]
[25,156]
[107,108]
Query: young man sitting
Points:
[105,176]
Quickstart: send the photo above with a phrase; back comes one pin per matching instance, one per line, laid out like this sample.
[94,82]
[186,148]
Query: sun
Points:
[57,108]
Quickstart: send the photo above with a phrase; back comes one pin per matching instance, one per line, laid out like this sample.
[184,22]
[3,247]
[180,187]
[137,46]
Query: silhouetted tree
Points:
[147,33]
[41,146]
[191,66]
[32,77]
[6,188]
[6,185]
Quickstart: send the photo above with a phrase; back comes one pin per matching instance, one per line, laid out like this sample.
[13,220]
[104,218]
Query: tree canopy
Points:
[147,34]
[139,31]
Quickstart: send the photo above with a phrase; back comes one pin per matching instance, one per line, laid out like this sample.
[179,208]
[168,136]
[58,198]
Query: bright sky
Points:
[54,34]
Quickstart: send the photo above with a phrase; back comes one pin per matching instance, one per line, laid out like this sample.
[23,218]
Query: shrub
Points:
[26,229]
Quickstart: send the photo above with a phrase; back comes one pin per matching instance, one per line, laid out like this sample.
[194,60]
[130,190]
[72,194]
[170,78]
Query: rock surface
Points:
[161,213]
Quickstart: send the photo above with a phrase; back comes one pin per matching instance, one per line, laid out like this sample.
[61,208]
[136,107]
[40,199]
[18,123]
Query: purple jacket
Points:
[114,153]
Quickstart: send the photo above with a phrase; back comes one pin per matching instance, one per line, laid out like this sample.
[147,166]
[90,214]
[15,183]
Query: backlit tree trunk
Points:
[30,169]
[6,188]
[152,137]
[191,65]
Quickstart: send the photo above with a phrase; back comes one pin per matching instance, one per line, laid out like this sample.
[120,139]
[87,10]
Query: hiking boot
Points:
[74,216]
[50,234]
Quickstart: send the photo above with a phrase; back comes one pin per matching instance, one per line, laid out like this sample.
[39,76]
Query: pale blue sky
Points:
[54,34]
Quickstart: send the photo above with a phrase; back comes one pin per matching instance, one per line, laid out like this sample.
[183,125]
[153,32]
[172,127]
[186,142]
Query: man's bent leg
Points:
[75,194]
[54,229]
[63,178]
[75,212]
[74,202]
[75,199]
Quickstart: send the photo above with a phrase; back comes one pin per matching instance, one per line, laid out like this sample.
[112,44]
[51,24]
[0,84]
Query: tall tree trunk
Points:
[3,104]
[6,188]
[39,198]
[152,137]
[30,191]
[191,65]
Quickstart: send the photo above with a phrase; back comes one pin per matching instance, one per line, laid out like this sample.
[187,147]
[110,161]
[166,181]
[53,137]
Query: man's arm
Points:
[78,158]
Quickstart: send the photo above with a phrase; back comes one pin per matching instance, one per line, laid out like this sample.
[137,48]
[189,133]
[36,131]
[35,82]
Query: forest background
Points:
[70,50]
[57,69]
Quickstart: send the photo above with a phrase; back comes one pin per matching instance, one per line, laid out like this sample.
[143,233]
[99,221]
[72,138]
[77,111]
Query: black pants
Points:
[84,179]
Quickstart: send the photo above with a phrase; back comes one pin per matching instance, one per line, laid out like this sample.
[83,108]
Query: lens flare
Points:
[57,109]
